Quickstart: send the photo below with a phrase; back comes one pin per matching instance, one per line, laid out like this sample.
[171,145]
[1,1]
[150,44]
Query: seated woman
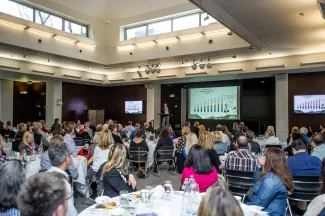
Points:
[272,183]
[3,131]
[138,141]
[304,132]
[181,142]
[27,143]
[56,121]
[88,130]
[219,202]
[113,176]
[201,129]
[199,165]
[190,141]
[317,206]
[172,134]
[164,140]
[82,133]
[115,134]
[12,178]
[101,152]
[58,130]
[272,139]
[226,131]
[220,147]
[206,141]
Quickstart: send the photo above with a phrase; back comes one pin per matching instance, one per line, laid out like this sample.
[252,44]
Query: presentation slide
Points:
[214,103]
[309,104]
[133,107]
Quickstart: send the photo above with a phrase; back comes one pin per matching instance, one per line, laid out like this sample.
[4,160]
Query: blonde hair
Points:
[216,136]
[86,124]
[1,144]
[56,139]
[186,131]
[190,141]
[225,129]
[295,129]
[201,129]
[116,159]
[206,140]
[105,139]
[270,131]
[27,135]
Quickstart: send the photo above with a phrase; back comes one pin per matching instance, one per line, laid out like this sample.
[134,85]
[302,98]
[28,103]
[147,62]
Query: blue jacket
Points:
[303,164]
[270,193]
[220,148]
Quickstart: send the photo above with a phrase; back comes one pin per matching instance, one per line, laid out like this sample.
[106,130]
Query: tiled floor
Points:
[142,183]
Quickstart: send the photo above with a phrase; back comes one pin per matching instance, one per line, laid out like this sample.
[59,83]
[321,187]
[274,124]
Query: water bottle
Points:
[192,183]
[185,184]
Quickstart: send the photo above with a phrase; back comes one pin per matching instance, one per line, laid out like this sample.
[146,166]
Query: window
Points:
[47,19]
[17,10]
[186,22]
[168,25]
[26,12]
[160,27]
[136,32]
[208,21]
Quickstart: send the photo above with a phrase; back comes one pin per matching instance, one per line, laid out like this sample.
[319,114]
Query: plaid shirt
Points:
[10,212]
[241,160]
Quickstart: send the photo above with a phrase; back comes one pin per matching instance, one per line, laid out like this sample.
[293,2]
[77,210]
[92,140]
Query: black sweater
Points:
[114,183]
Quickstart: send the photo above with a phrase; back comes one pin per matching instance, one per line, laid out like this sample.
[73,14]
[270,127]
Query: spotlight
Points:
[182,62]
[147,70]
[230,33]
[202,65]
[49,60]
[209,65]
[234,56]
[194,66]
[24,56]
[89,68]
[139,72]
[206,18]
[158,70]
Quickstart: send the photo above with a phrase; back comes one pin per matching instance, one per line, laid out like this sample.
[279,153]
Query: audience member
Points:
[44,128]
[22,128]
[40,137]
[101,152]
[317,206]
[45,194]
[3,131]
[219,146]
[138,141]
[60,159]
[164,140]
[105,126]
[78,122]
[195,128]
[82,133]
[27,143]
[2,159]
[322,128]
[58,130]
[294,130]
[115,134]
[201,129]
[225,138]
[187,124]
[172,134]
[12,176]
[191,139]
[302,163]
[206,141]
[199,165]
[304,132]
[147,127]
[242,159]
[226,131]
[235,128]
[56,121]
[219,202]
[134,132]
[181,142]
[88,130]
[317,143]
[252,145]
[310,131]
[272,139]
[9,126]
[122,132]
[272,183]
[113,176]
[99,129]
[293,137]
[129,127]
[68,138]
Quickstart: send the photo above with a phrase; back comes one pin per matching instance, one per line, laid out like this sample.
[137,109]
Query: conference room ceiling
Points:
[282,24]
[117,9]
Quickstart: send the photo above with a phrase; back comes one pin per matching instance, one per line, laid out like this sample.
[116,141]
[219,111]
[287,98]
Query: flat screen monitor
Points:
[309,104]
[133,107]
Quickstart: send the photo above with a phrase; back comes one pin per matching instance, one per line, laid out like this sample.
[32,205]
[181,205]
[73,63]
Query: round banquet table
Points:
[80,164]
[33,167]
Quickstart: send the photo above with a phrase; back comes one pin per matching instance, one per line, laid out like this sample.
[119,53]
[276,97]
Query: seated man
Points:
[254,146]
[68,138]
[44,194]
[301,163]
[317,143]
[60,158]
[242,159]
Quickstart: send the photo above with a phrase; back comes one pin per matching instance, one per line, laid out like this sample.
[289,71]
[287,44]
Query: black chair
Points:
[139,156]
[239,182]
[165,154]
[273,146]
[85,141]
[305,188]
[78,142]
[15,145]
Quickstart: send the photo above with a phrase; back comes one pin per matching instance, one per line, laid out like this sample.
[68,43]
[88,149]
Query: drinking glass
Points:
[168,189]
[149,195]
[124,199]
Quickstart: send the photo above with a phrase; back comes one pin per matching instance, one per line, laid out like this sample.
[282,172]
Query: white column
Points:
[281,106]
[153,103]
[53,95]
[6,100]
[183,106]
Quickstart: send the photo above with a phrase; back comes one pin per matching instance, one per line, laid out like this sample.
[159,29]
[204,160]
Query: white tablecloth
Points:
[151,157]
[33,167]
[80,163]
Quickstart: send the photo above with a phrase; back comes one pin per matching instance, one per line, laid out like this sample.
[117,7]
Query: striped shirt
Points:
[10,212]
[241,160]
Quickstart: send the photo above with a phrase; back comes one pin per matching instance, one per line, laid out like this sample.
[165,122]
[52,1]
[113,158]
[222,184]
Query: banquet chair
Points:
[305,188]
[85,141]
[239,182]
[140,156]
[78,142]
[273,146]
[165,154]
